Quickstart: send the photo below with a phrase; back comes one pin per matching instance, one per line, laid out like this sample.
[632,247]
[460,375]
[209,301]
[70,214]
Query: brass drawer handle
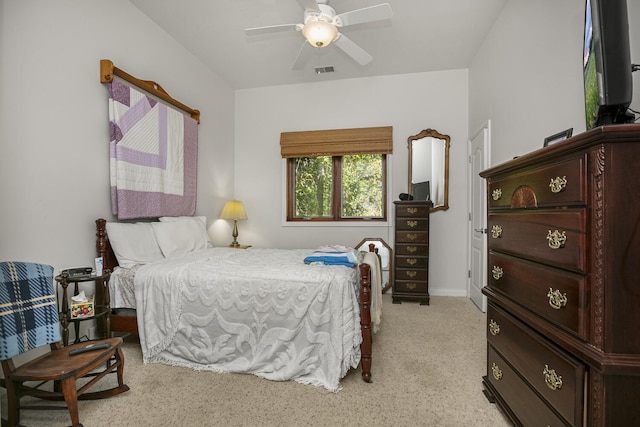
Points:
[553,380]
[496,194]
[412,236]
[411,274]
[412,223]
[496,231]
[556,299]
[411,286]
[558,184]
[556,239]
[412,249]
[494,328]
[497,272]
[497,372]
[412,210]
[412,261]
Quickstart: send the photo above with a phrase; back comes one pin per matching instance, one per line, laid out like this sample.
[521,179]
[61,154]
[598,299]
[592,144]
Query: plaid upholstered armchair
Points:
[29,319]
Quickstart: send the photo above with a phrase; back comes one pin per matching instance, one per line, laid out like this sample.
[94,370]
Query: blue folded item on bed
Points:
[327,256]
[328,260]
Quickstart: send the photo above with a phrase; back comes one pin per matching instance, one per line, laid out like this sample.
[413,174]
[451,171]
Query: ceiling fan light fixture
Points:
[319,33]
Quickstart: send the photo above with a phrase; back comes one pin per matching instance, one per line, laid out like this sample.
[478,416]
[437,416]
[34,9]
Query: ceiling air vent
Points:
[321,70]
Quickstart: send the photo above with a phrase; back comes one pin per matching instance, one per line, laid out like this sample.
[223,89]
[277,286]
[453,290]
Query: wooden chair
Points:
[29,319]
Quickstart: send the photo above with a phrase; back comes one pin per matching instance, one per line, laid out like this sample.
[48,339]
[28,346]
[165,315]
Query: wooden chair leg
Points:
[71,399]
[13,404]
[120,370]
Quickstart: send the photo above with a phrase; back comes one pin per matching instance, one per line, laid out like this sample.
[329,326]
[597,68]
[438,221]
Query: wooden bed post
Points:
[365,321]
[101,239]
[102,292]
[103,248]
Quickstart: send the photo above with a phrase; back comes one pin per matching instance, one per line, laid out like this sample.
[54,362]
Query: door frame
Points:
[486,127]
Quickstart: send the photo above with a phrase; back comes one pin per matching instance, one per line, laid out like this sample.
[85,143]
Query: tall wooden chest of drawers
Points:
[563,320]
[411,263]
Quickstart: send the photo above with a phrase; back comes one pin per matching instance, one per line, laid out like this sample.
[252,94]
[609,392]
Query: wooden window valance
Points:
[108,71]
[337,142]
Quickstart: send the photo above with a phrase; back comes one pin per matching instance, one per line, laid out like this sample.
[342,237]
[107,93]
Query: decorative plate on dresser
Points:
[411,264]
[563,287]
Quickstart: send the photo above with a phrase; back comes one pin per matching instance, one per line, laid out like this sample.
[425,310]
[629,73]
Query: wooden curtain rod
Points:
[108,70]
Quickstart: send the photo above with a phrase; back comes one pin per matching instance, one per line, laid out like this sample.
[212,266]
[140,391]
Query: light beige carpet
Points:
[428,363]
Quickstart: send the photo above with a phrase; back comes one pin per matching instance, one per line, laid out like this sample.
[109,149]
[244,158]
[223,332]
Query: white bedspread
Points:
[259,311]
[121,287]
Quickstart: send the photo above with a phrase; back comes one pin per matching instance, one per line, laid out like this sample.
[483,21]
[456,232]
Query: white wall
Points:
[527,76]
[54,140]
[409,103]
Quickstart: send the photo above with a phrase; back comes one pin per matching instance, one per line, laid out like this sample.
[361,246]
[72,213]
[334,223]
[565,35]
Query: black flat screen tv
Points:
[608,86]
[421,190]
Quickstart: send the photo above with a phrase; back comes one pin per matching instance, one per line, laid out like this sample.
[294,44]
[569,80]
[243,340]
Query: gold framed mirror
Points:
[429,168]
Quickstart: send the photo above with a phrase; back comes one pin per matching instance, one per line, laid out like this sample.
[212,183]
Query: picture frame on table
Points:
[560,136]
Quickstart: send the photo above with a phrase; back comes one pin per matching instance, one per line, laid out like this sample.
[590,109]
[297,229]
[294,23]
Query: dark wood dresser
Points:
[563,319]
[411,263]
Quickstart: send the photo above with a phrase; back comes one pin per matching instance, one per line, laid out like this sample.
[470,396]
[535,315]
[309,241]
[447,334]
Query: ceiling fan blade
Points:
[353,50]
[303,56]
[309,5]
[270,29]
[367,14]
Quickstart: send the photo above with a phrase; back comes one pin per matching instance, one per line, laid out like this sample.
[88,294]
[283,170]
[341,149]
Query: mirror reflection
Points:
[385,252]
[429,168]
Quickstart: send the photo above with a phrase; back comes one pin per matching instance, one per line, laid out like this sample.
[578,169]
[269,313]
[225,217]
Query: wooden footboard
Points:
[365,321]
[125,321]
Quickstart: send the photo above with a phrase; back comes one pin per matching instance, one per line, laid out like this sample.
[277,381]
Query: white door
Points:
[478,161]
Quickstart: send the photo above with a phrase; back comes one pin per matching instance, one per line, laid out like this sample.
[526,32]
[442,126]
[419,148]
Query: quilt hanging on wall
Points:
[153,156]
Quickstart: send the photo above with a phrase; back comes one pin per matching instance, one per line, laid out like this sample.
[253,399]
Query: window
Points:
[339,188]
[337,175]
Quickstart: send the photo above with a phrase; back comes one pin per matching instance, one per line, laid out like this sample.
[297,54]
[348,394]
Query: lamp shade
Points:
[319,33]
[233,209]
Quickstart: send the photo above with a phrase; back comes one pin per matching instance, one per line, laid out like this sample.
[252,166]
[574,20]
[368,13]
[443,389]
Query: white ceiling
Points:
[423,35]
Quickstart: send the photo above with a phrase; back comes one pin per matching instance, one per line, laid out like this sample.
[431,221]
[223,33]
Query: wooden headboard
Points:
[103,247]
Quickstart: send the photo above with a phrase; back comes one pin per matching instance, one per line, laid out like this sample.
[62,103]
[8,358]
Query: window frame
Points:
[336,198]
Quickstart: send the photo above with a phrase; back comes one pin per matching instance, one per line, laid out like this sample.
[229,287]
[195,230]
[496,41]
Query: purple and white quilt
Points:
[153,156]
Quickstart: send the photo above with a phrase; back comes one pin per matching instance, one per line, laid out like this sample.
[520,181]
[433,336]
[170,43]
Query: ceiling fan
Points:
[320,28]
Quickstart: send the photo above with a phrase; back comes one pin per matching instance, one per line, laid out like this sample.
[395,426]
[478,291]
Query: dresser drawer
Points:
[556,376]
[557,295]
[522,401]
[410,287]
[412,224]
[533,234]
[412,274]
[420,211]
[412,250]
[557,184]
[412,236]
[412,262]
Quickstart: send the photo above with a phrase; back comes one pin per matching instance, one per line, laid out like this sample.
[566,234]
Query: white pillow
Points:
[179,237]
[200,219]
[133,243]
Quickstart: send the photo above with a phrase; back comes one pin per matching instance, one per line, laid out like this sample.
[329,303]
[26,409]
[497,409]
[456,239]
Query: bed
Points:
[259,311]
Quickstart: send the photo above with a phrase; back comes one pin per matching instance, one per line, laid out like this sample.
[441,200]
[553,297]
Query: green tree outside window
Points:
[338,188]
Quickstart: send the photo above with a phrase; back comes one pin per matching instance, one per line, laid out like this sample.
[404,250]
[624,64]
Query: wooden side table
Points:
[102,309]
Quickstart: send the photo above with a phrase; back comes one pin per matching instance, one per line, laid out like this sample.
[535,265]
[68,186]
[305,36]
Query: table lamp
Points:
[234,209]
